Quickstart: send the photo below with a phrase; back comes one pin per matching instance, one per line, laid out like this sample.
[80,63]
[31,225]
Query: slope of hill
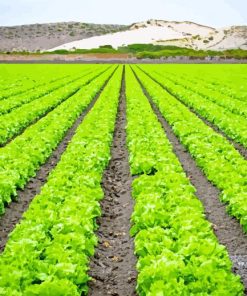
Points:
[221,39]
[182,34]
[76,35]
[45,36]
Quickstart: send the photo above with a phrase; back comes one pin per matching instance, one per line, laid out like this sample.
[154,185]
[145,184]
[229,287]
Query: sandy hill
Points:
[74,35]
[184,34]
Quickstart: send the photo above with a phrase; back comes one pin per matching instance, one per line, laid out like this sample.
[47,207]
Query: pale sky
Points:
[217,13]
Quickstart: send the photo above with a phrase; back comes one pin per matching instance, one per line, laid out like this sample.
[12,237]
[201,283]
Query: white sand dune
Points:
[186,34]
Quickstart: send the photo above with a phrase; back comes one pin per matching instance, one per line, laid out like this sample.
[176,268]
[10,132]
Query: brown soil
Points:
[15,209]
[106,55]
[63,57]
[226,228]
[103,58]
[113,266]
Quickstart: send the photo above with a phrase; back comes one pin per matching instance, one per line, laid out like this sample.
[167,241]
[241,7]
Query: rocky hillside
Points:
[44,36]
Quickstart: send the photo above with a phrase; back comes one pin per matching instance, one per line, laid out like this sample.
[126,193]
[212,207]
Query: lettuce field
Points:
[123,180]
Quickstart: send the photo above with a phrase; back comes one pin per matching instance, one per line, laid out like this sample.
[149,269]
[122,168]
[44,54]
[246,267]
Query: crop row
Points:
[223,89]
[13,123]
[20,90]
[24,86]
[229,80]
[18,100]
[9,82]
[47,253]
[202,89]
[234,91]
[233,125]
[32,77]
[234,86]
[217,158]
[178,253]
[21,158]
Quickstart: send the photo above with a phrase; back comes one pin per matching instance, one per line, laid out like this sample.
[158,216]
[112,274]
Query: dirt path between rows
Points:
[15,210]
[241,149]
[226,228]
[113,266]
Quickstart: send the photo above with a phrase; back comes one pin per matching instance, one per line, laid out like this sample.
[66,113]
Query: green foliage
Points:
[137,48]
[23,156]
[98,50]
[106,46]
[227,114]
[12,123]
[101,49]
[143,51]
[236,53]
[17,79]
[25,96]
[176,247]
[48,252]
[217,158]
[58,51]
[178,52]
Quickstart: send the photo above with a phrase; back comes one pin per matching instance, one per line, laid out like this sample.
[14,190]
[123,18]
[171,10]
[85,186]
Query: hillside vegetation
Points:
[152,39]
[44,36]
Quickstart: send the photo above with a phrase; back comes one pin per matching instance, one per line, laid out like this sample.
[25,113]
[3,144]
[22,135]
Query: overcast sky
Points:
[216,13]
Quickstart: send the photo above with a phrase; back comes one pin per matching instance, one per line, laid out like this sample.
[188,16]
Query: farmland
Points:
[123,180]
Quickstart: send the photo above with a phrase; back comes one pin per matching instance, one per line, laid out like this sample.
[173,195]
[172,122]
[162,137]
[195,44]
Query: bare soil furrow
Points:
[15,210]
[226,228]
[113,266]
